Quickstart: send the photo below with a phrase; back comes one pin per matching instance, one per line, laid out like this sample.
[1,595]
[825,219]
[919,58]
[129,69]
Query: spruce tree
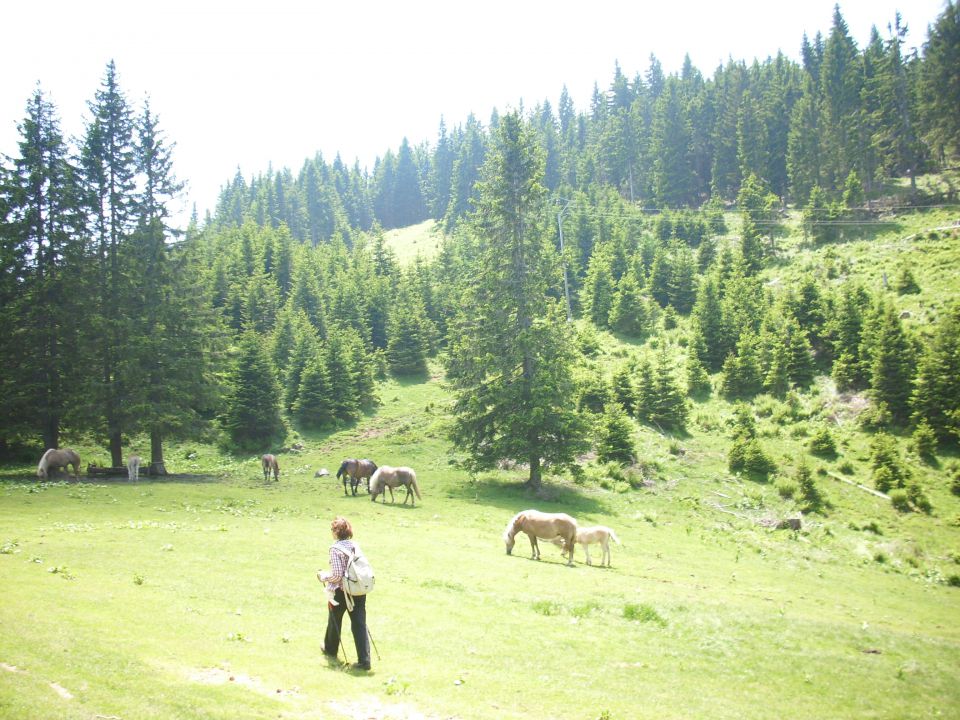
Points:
[44,264]
[407,344]
[936,394]
[109,169]
[668,408]
[313,407]
[251,417]
[892,364]
[510,364]
[614,432]
[938,85]
[630,312]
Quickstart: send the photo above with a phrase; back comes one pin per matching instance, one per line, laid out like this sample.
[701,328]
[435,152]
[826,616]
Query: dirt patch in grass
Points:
[219,676]
[371,708]
[61,691]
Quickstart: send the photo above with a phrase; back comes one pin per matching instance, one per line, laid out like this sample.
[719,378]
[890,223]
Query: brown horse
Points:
[545,526]
[387,477]
[356,470]
[270,464]
[53,459]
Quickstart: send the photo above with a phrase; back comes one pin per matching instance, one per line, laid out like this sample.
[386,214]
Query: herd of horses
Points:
[558,528]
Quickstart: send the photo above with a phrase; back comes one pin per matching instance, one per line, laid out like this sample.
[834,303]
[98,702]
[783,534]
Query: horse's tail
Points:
[413,484]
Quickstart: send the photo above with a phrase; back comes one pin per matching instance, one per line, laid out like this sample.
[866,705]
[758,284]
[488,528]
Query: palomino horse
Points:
[387,477]
[599,534]
[53,459]
[270,464]
[356,470]
[545,526]
[133,467]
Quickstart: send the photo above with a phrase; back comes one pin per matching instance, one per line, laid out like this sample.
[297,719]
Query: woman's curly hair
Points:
[341,528]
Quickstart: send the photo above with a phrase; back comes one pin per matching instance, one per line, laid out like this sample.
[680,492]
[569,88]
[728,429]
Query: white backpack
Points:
[358,578]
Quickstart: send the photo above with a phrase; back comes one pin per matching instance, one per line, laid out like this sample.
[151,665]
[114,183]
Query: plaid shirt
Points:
[338,562]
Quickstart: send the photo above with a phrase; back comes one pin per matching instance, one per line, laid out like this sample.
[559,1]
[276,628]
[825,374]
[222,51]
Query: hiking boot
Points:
[365,667]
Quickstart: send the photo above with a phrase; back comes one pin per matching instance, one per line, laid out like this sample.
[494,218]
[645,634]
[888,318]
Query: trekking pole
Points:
[375,648]
[346,660]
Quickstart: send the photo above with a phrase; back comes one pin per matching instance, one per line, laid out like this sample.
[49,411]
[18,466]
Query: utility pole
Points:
[566,287]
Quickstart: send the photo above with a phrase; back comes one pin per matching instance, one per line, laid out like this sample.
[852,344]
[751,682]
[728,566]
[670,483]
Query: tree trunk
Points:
[156,454]
[116,449]
[535,481]
[51,433]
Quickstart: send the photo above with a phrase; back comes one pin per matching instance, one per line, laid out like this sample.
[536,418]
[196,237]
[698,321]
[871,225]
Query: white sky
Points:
[248,83]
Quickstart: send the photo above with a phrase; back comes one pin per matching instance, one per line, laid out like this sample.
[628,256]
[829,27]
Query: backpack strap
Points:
[343,586]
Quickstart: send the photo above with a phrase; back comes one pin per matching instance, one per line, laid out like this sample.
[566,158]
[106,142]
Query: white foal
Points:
[133,467]
[599,534]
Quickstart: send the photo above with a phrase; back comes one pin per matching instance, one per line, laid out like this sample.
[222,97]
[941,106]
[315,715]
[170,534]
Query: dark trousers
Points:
[358,625]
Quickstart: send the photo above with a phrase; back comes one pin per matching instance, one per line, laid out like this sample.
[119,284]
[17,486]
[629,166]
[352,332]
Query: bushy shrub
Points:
[876,417]
[787,489]
[954,475]
[747,456]
[925,441]
[744,426]
[889,472]
[899,500]
[883,479]
[905,283]
[809,492]
[614,435]
[918,498]
[823,444]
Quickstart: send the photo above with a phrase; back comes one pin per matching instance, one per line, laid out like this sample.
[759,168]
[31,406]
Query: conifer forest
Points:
[656,215]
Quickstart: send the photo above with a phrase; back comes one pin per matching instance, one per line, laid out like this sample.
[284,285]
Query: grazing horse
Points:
[599,534]
[387,478]
[356,470]
[545,526]
[270,464]
[53,459]
[133,467]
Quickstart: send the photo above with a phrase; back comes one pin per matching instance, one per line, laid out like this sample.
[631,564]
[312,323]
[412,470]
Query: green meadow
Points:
[194,596]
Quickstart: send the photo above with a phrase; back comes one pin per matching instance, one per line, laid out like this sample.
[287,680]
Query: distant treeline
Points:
[665,141]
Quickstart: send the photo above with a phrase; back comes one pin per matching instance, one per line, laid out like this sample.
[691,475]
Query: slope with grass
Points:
[195,596]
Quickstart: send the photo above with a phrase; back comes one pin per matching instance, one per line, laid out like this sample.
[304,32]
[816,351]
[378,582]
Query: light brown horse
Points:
[545,526]
[387,477]
[53,459]
[270,464]
[356,470]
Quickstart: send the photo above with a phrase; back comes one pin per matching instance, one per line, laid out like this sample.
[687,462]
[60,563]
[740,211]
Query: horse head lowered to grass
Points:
[356,470]
[387,478]
[270,465]
[53,459]
[545,526]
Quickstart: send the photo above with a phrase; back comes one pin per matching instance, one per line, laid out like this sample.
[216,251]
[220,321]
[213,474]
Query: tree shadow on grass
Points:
[513,496]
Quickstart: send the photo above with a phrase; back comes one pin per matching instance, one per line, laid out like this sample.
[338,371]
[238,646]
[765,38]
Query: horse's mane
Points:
[512,524]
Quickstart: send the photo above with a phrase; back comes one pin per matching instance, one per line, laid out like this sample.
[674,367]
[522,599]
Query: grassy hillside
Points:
[422,239]
[144,600]
[194,596]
